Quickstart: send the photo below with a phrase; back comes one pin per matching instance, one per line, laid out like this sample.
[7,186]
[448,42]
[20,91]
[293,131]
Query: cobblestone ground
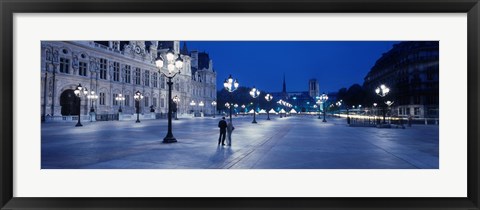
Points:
[300,142]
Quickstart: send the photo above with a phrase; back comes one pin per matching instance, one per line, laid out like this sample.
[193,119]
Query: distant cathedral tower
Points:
[313,88]
[284,89]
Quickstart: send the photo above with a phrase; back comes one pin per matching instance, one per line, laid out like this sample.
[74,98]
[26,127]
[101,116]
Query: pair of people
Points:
[225,129]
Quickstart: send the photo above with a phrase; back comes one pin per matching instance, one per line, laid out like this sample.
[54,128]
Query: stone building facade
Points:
[411,71]
[110,68]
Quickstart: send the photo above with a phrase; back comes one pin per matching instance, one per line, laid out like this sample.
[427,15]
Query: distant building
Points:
[302,101]
[411,71]
[313,88]
[111,68]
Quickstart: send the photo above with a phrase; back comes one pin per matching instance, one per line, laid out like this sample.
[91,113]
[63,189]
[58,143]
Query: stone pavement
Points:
[300,142]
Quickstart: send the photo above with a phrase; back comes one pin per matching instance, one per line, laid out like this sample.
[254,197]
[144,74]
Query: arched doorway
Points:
[69,102]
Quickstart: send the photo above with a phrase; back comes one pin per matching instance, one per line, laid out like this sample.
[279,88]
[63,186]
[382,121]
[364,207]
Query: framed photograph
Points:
[239,105]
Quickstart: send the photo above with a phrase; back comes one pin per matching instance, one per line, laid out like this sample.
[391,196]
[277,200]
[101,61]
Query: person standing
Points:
[230,129]
[223,129]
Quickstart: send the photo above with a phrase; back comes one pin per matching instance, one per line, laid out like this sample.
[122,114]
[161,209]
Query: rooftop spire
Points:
[184,50]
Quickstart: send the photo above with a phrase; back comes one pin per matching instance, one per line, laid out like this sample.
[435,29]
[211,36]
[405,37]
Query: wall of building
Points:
[411,70]
[110,70]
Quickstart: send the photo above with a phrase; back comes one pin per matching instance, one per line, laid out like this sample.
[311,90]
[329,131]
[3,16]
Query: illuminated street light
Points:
[254,93]
[268,97]
[80,92]
[173,68]
[323,99]
[382,91]
[138,96]
[119,100]
[176,100]
[93,97]
[214,104]
[230,85]
[201,104]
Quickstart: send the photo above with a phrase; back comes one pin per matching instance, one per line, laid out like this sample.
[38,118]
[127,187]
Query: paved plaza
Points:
[298,142]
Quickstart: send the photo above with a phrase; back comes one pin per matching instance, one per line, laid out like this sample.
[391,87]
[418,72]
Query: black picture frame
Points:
[10,7]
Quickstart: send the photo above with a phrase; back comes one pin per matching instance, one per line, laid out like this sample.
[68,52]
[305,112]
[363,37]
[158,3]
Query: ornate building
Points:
[411,71]
[111,68]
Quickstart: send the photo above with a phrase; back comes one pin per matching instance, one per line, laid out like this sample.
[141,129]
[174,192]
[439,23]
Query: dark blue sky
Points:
[335,64]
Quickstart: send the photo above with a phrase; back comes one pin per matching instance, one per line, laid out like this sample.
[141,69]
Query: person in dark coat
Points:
[223,130]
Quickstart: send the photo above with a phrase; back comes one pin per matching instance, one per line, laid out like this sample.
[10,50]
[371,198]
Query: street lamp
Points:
[214,104]
[268,97]
[323,99]
[173,67]
[319,102]
[230,85]
[382,91]
[79,92]
[339,104]
[176,99]
[243,108]
[201,104]
[236,111]
[193,104]
[254,93]
[229,107]
[138,96]
[119,100]
[93,97]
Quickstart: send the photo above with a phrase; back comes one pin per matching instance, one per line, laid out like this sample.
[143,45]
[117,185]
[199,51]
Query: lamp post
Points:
[389,103]
[254,93]
[138,96]
[176,99]
[79,92]
[230,85]
[243,108]
[214,104]
[382,91]
[173,67]
[236,111]
[119,100]
[319,102]
[268,97]
[193,104]
[375,112]
[230,109]
[201,104]
[323,99]
[280,103]
[339,104]
[93,97]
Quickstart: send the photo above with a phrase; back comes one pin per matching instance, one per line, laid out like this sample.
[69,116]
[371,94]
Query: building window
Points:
[146,101]
[162,102]
[155,80]
[416,111]
[103,68]
[408,111]
[162,81]
[128,73]
[116,71]
[137,76]
[64,65]
[177,86]
[147,78]
[114,102]
[127,100]
[154,101]
[82,69]
[101,99]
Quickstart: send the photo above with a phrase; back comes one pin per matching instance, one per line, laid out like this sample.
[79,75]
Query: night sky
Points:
[335,64]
